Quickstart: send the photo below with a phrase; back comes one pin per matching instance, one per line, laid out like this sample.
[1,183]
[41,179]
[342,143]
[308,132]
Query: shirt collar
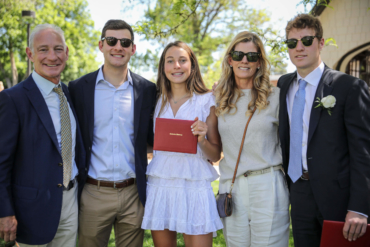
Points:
[101,76]
[314,77]
[43,84]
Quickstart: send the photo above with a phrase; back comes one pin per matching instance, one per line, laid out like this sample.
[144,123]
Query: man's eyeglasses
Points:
[306,41]
[251,56]
[112,41]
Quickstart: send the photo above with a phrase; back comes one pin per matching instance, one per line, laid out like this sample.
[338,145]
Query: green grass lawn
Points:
[219,241]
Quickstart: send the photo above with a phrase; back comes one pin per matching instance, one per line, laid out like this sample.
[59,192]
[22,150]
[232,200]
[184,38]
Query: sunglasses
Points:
[112,41]
[306,41]
[251,56]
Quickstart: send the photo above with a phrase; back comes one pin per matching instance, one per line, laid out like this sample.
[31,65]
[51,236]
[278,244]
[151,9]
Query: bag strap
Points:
[241,148]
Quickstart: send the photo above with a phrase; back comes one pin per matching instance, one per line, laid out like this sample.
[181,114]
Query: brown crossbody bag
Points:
[225,200]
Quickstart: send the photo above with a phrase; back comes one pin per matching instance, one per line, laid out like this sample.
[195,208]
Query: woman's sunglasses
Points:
[306,41]
[112,41]
[251,56]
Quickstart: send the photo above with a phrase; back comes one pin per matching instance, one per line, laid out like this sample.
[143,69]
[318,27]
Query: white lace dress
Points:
[179,192]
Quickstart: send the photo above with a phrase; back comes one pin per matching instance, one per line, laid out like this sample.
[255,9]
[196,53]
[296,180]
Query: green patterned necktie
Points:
[66,135]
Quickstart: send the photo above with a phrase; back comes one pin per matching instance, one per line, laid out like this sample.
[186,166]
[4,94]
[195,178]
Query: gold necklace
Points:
[186,95]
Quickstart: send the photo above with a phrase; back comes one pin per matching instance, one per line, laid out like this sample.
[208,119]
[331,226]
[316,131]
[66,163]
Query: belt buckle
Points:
[70,185]
[302,177]
[114,185]
[247,173]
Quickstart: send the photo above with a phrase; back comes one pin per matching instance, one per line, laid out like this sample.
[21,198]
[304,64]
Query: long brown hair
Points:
[227,89]
[194,84]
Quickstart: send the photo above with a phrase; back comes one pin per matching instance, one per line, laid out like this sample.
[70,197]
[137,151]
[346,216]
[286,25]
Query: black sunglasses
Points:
[239,55]
[112,41]
[306,41]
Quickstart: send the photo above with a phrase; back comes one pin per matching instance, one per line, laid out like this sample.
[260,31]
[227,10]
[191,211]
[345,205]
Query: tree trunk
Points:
[12,65]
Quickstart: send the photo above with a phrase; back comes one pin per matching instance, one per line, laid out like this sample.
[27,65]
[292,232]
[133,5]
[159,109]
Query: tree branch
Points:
[208,23]
[171,30]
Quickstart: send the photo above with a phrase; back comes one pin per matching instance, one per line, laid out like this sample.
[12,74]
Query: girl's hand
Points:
[200,129]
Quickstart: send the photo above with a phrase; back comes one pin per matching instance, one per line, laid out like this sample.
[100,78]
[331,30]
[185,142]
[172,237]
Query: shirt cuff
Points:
[358,213]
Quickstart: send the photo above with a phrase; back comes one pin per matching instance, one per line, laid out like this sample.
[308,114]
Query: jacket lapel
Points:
[89,101]
[39,104]
[138,88]
[323,89]
[284,107]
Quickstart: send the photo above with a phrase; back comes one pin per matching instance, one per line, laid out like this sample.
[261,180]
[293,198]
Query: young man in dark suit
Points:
[41,150]
[114,106]
[325,138]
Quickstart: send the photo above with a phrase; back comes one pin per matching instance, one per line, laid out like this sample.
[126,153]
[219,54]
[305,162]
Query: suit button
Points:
[60,164]
[89,148]
[85,169]
[60,185]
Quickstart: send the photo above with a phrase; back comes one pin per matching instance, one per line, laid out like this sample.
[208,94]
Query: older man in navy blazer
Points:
[41,150]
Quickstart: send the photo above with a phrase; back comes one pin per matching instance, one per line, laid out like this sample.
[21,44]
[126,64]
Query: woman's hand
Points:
[211,146]
[199,129]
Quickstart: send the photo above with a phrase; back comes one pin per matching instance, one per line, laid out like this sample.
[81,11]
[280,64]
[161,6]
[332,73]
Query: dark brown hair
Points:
[194,84]
[302,21]
[117,25]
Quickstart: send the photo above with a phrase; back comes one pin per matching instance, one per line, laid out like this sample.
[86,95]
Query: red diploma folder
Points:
[332,236]
[174,135]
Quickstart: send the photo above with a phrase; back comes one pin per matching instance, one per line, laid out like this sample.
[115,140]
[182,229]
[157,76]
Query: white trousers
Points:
[260,211]
[66,234]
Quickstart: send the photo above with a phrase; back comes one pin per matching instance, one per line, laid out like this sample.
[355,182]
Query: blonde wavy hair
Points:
[227,90]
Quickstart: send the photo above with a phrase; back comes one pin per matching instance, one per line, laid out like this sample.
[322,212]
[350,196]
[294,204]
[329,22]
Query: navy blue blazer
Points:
[338,147]
[83,94]
[29,163]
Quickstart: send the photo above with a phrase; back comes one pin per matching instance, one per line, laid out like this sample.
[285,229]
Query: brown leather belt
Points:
[111,184]
[305,175]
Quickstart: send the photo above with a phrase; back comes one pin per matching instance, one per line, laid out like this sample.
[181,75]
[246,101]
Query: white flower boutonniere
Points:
[327,102]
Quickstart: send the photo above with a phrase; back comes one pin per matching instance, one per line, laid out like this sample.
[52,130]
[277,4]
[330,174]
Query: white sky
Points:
[101,11]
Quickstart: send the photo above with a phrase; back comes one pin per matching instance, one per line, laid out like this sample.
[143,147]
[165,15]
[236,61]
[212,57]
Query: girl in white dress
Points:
[179,193]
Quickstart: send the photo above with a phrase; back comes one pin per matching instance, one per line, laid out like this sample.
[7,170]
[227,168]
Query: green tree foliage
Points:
[70,15]
[207,26]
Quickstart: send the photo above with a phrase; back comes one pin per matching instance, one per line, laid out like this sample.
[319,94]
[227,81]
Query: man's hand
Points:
[355,226]
[8,228]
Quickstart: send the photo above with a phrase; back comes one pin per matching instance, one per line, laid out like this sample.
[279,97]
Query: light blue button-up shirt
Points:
[53,104]
[112,153]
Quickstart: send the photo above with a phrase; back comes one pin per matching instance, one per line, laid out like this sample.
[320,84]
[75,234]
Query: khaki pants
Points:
[102,207]
[66,234]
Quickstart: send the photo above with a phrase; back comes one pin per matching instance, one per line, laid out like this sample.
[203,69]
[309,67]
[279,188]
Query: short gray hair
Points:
[42,27]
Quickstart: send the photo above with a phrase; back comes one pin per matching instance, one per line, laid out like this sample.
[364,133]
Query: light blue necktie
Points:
[296,133]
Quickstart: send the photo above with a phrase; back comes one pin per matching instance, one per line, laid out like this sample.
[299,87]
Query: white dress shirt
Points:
[53,104]
[312,80]
[112,154]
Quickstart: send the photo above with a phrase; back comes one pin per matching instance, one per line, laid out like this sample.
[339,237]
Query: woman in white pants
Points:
[260,195]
